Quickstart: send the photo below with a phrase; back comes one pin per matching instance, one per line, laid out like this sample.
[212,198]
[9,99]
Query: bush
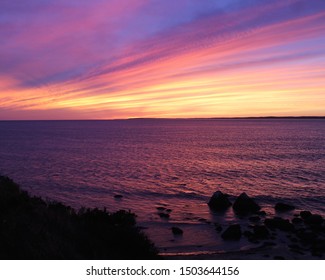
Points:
[31,228]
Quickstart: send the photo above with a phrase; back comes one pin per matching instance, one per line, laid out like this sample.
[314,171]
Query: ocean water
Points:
[176,164]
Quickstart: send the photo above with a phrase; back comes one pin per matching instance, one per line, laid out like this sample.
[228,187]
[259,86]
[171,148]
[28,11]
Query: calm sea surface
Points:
[176,164]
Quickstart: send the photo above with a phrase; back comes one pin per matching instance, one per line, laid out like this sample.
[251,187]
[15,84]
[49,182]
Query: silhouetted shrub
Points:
[31,228]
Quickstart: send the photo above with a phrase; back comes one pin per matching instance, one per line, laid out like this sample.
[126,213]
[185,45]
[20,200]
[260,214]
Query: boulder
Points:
[296,221]
[306,236]
[261,213]
[283,207]
[219,201]
[261,232]
[177,231]
[305,214]
[217,227]
[233,232]
[163,215]
[314,219]
[279,223]
[244,205]
[254,219]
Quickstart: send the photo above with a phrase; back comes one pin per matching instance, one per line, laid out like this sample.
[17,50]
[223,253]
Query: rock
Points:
[160,208]
[177,231]
[296,221]
[306,236]
[314,220]
[254,219]
[279,223]
[163,215]
[219,201]
[283,207]
[261,232]
[169,210]
[261,213]
[118,196]
[233,232]
[318,248]
[305,214]
[217,227]
[248,234]
[244,205]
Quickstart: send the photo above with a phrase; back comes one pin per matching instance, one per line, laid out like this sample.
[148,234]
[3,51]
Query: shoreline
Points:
[301,237]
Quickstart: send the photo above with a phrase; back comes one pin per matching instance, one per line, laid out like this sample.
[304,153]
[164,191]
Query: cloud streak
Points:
[120,59]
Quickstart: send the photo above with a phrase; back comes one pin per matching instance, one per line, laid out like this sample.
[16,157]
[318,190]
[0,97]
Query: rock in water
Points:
[261,232]
[305,214]
[233,232]
[296,221]
[279,223]
[254,219]
[244,205]
[314,219]
[219,201]
[177,231]
[163,215]
[283,207]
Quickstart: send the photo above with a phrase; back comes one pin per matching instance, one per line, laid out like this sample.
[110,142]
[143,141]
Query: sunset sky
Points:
[106,59]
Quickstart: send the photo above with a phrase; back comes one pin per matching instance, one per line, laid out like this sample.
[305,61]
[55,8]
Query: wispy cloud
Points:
[109,59]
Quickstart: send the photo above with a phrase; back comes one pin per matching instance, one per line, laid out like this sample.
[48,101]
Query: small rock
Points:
[160,208]
[318,248]
[177,231]
[279,223]
[261,213]
[164,215]
[306,236]
[169,210]
[219,201]
[283,207]
[296,221]
[261,232]
[248,234]
[233,232]
[254,219]
[217,227]
[118,196]
[305,214]
[314,220]
[244,204]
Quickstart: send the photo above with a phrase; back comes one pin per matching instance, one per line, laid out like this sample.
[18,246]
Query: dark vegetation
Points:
[31,228]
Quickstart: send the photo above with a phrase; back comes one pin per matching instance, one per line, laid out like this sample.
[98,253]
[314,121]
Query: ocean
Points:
[173,164]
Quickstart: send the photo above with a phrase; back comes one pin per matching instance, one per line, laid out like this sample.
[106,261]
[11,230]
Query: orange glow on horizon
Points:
[273,69]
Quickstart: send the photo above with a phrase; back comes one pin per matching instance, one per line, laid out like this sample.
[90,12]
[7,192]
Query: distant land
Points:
[212,118]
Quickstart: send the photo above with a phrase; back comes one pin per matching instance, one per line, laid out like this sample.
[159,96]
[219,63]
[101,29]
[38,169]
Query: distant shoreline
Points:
[171,119]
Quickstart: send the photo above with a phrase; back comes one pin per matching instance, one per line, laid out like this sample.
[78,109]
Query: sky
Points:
[113,59]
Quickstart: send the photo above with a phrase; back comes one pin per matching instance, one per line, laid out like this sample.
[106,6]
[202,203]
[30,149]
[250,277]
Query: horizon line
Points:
[158,118]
